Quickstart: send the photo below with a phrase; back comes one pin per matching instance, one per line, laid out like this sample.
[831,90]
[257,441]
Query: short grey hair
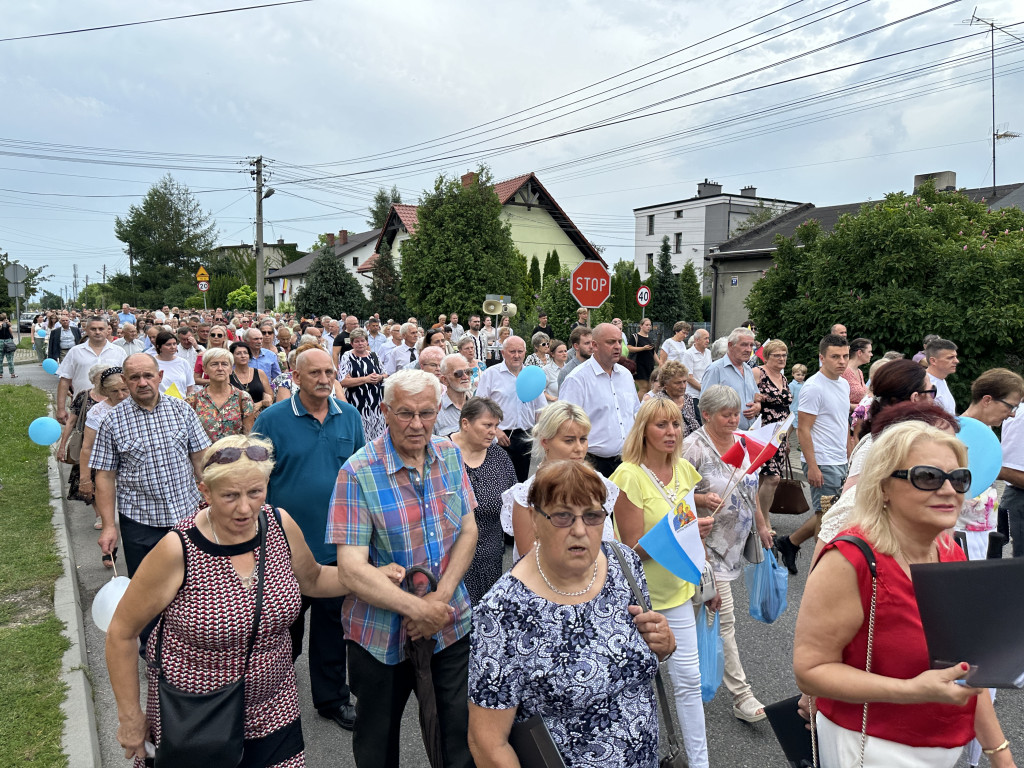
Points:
[455,358]
[95,371]
[308,338]
[128,325]
[719,348]
[216,353]
[358,333]
[738,333]
[410,382]
[408,328]
[719,397]
[539,338]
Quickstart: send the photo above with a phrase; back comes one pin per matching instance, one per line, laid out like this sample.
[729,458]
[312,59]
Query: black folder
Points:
[990,638]
[531,740]
[791,731]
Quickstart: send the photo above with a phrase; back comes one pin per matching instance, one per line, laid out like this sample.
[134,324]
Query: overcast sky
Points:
[342,97]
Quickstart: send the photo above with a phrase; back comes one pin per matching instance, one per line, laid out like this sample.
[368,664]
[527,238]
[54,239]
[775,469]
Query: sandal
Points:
[98,525]
[108,562]
[749,710]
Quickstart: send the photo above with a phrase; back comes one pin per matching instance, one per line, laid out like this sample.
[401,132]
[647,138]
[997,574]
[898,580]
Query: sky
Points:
[615,105]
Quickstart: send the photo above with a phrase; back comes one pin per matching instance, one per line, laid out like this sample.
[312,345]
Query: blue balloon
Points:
[41,333]
[44,431]
[50,365]
[984,454]
[530,383]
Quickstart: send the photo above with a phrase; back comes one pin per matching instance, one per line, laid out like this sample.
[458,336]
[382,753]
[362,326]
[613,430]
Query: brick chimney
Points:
[280,241]
[469,178]
[330,239]
[342,236]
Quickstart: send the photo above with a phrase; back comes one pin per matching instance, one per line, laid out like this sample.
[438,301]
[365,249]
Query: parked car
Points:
[25,321]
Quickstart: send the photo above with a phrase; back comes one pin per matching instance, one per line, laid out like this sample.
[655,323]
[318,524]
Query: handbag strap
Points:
[261,560]
[642,602]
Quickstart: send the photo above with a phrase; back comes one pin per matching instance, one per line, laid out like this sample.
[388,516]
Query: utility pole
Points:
[131,272]
[84,304]
[74,282]
[261,267]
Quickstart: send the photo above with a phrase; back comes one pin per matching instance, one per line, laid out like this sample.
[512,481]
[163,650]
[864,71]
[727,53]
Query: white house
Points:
[353,250]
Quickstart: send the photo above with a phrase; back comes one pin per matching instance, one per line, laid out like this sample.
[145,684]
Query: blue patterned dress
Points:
[584,668]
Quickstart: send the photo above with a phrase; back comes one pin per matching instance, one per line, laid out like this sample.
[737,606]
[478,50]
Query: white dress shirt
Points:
[696,362]
[610,401]
[401,356]
[943,396]
[499,384]
[130,347]
[81,357]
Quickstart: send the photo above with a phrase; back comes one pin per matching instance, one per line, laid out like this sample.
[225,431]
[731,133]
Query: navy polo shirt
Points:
[307,457]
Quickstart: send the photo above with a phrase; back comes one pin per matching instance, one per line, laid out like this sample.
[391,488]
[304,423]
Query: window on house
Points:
[650,224]
[679,242]
[679,214]
[355,261]
[650,263]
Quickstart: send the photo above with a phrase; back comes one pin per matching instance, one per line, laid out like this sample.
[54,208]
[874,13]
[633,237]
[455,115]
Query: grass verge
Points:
[31,643]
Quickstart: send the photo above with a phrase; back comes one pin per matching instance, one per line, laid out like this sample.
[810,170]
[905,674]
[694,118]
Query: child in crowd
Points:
[799,373]
[655,386]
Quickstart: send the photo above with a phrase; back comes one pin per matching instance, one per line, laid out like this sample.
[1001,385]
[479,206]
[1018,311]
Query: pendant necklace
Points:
[670,492]
[552,587]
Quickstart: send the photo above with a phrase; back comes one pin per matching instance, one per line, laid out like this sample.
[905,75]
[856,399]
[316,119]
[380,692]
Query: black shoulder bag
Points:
[676,757]
[207,729]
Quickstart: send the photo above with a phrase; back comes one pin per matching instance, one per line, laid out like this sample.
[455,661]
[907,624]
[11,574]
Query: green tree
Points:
[689,286]
[97,296]
[243,298]
[666,294]
[930,262]
[386,288]
[559,304]
[535,279]
[32,280]
[551,265]
[382,202]
[50,301]
[330,289]
[461,250]
[319,244]
[168,236]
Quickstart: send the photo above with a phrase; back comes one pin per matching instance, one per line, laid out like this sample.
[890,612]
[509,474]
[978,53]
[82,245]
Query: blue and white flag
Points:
[674,542]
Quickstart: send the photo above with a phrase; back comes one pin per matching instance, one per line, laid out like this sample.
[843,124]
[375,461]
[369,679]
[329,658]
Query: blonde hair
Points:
[551,419]
[773,346]
[636,441]
[799,368]
[216,353]
[889,452]
[214,473]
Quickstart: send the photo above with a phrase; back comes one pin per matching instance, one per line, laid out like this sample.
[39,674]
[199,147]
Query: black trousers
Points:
[519,448]
[327,681]
[696,411]
[604,465]
[136,541]
[382,691]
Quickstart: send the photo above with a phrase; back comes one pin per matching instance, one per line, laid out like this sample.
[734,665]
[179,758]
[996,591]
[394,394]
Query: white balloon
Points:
[106,600]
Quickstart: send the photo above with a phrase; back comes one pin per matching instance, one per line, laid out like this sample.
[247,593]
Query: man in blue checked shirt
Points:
[405,498]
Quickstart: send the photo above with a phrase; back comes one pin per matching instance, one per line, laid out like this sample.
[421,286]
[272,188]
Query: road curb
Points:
[79,739]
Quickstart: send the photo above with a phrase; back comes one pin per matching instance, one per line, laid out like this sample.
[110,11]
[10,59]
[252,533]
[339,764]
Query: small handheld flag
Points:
[674,542]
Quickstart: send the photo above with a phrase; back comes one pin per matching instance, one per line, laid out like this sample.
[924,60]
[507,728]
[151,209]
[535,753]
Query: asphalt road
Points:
[766,651]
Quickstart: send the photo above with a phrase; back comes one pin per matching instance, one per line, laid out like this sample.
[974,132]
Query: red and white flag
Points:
[762,443]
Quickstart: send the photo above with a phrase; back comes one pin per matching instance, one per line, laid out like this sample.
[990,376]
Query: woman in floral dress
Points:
[222,409]
[775,402]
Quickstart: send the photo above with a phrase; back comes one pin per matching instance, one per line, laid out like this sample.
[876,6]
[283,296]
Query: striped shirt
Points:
[150,452]
[406,518]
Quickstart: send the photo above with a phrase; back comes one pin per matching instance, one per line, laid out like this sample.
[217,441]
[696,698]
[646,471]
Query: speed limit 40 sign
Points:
[643,296]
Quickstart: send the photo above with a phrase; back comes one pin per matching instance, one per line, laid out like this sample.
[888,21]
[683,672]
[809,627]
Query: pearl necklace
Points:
[671,493]
[552,587]
[247,581]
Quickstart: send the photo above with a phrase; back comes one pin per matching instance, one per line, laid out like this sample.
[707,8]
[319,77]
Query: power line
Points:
[150,21]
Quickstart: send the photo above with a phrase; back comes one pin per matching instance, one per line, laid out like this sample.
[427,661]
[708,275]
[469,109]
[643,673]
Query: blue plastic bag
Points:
[711,654]
[767,583]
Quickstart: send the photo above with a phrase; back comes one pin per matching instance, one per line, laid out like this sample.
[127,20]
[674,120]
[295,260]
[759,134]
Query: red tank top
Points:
[899,651]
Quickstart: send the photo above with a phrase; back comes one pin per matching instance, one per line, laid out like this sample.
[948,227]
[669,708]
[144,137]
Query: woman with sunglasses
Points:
[654,480]
[562,637]
[201,580]
[541,344]
[900,711]
[995,397]
[217,339]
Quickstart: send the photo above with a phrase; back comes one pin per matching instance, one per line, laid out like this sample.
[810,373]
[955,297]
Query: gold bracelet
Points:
[1000,748]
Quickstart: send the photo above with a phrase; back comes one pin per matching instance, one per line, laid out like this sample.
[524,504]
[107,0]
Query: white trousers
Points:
[839,747]
[684,669]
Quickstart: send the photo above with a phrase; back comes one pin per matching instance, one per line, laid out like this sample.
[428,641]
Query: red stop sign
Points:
[590,284]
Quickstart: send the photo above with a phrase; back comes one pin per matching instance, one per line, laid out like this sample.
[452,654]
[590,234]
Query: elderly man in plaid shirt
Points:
[405,498]
[147,454]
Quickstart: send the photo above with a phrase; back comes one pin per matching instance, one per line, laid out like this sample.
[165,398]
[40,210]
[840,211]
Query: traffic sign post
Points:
[643,298]
[203,284]
[590,284]
[202,275]
[16,274]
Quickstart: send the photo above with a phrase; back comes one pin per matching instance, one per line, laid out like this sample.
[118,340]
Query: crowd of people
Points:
[374,471]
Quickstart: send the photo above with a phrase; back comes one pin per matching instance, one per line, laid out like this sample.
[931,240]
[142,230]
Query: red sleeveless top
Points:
[899,651]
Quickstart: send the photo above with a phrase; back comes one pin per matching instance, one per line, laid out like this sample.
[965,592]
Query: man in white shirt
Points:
[942,361]
[129,341]
[824,427]
[674,347]
[74,369]
[405,353]
[697,359]
[1012,502]
[188,348]
[457,330]
[499,383]
[605,390]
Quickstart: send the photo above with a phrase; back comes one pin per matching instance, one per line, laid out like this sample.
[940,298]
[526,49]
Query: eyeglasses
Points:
[926,478]
[567,519]
[779,355]
[1013,408]
[407,416]
[231,455]
[929,392]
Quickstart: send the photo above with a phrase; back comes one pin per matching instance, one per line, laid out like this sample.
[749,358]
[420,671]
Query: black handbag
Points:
[676,755]
[207,729]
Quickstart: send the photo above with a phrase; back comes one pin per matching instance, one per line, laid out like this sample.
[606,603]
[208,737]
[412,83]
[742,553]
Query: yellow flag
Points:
[173,392]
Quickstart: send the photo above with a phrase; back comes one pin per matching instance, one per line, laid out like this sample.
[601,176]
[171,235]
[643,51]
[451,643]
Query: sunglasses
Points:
[462,373]
[926,478]
[231,455]
[268,333]
[566,519]
[930,392]
[216,335]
